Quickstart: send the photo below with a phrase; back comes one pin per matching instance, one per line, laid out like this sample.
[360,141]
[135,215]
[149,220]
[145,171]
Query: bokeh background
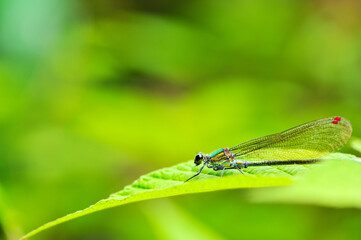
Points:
[94,94]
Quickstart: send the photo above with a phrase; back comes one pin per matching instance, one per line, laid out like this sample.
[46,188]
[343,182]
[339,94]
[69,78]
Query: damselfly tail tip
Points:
[336,120]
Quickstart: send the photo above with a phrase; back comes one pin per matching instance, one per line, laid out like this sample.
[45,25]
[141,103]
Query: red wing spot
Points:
[335,122]
[338,118]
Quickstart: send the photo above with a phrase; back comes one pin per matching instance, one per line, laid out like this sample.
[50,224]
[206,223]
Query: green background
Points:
[94,94]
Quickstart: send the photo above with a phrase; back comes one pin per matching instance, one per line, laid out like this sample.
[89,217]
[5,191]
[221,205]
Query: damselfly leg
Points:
[199,172]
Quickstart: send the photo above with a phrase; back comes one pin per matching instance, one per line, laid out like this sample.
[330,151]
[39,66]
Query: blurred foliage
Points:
[94,94]
[356,145]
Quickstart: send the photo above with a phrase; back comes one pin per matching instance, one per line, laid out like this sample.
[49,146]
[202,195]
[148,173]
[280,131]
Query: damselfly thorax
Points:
[222,157]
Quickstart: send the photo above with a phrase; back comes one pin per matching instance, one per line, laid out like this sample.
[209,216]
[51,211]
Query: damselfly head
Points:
[199,158]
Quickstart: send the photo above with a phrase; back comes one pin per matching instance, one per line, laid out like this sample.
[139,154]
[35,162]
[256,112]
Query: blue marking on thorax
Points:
[216,152]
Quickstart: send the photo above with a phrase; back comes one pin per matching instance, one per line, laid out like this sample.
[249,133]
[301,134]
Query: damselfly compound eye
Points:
[198,159]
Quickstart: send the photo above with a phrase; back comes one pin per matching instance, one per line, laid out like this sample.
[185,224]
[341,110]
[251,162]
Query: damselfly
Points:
[303,144]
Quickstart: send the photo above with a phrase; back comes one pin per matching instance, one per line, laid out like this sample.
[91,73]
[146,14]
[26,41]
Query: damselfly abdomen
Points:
[303,144]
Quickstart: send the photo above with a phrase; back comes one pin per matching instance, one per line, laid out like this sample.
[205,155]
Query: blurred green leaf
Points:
[8,223]
[159,213]
[333,184]
[356,144]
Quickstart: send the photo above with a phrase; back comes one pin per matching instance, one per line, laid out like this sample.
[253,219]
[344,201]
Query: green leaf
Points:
[170,182]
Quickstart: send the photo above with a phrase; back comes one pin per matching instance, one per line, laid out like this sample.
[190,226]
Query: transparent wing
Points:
[307,141]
